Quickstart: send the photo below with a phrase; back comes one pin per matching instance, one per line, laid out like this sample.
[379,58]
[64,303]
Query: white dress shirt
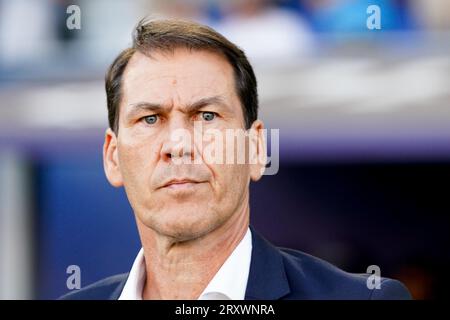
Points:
[229,283]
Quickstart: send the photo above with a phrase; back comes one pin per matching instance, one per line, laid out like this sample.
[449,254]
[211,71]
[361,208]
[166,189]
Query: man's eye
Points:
[151,119]
[208,116]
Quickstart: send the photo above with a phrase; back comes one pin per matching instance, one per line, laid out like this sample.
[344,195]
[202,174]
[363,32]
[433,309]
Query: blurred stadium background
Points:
[364,119]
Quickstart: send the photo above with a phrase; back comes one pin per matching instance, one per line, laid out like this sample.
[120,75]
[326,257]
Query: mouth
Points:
[181,184]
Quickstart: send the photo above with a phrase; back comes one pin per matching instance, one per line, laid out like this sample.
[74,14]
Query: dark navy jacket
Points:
[278,274]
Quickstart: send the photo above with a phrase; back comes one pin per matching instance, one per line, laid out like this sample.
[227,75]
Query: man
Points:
[192,213]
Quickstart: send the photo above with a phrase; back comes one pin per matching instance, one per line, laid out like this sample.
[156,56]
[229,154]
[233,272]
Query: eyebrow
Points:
[191,108]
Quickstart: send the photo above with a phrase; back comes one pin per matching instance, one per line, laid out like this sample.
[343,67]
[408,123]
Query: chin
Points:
[184,227]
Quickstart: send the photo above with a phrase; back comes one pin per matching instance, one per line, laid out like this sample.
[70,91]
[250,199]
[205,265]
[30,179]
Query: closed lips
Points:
[179,181]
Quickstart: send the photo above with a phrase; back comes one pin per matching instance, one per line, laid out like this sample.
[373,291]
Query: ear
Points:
[111,159]
[258,152]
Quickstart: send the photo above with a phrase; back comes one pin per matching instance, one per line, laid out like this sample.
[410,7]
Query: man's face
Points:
[161,95]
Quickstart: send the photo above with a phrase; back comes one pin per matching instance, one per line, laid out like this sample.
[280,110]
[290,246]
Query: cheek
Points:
[136,161]
[230,181]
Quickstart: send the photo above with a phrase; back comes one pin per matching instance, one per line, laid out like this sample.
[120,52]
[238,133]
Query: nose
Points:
[178,144]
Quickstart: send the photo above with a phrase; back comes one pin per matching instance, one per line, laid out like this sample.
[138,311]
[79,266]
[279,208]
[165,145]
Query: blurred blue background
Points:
[364,119]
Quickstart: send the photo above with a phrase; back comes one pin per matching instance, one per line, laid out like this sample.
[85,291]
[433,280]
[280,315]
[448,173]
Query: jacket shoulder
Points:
[105,289]
[313,278]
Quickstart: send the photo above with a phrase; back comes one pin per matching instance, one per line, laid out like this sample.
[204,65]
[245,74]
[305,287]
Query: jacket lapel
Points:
[267,277]
[118,290]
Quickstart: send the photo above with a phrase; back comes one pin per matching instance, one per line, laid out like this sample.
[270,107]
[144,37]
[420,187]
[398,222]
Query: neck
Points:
[182,270]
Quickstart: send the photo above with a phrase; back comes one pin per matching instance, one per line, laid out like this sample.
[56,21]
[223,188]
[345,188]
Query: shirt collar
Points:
[229,283]
[136,279]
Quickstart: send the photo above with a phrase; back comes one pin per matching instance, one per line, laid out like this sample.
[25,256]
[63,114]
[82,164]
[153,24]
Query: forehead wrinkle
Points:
[191,92]
[166,107]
